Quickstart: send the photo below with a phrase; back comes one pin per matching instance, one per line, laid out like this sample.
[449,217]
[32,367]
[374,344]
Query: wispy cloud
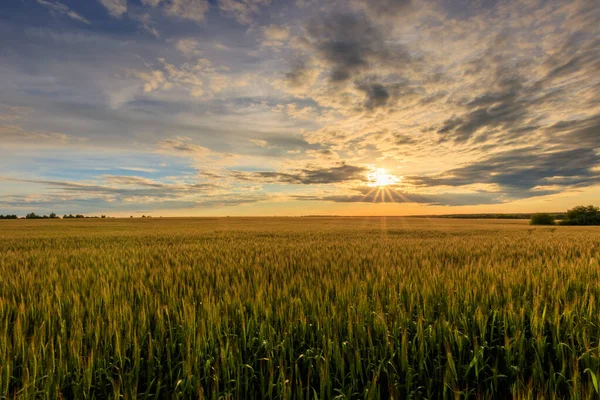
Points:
[61,9]
[308,176]
[194,10]
[16,134]
[116,8]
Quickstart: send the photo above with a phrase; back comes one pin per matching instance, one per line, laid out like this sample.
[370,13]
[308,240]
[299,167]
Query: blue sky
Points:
[262,107]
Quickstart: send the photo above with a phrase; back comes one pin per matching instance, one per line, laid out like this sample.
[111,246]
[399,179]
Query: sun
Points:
[381,178]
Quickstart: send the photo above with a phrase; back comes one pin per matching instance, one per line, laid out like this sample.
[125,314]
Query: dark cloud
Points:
[584,132]
[307,176]
[510,108]
[577,55]
[505,107]
[352,43]
[402,139]
[376,94]
[519,172]
[381,94]
[389,195]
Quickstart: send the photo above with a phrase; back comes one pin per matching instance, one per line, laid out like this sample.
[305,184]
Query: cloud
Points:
[127,186]
[205,159]
[199,78]
[182,145]
[385,8]
[352,43]
[122,193]
[301,77]
[16,134]
[194,10]
[577,56]
[276,32]
[242,10]
[153,80]
[307,176]
[62,9]
[188,47]
[376,94]
[584,131]
[390,195]
[116,8]
[137,169]
[260,142]
[275,35]
[519,172]
[146,22]
[505,106]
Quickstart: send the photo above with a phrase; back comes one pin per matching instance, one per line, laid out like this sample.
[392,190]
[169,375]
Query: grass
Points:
[298,308]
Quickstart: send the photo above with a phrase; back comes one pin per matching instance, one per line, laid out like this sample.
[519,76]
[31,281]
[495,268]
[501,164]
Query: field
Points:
[298,308]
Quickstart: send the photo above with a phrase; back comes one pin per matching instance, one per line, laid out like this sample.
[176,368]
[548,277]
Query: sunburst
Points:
[381,178]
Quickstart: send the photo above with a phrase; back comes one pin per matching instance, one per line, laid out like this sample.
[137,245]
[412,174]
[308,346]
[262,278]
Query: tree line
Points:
[580,215]
[49,216]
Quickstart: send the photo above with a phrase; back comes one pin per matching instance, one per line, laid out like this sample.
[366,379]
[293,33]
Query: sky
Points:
[298,107]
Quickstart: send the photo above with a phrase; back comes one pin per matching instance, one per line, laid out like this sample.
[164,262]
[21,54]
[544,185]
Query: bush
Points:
[542,219]
[582,215]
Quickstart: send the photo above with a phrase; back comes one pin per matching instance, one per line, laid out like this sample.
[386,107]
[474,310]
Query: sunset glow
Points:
[295,107]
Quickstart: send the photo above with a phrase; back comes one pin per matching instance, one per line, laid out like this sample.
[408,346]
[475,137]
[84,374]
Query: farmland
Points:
[298,308]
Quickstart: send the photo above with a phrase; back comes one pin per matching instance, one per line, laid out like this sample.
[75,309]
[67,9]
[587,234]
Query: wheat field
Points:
[298,308]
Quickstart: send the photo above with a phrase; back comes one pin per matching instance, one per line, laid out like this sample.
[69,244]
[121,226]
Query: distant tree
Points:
[542,219]
[79,216]
[582,215]
[104,216]
[7,216]
[143,216]
[131,216]
[53,216]
[32,216]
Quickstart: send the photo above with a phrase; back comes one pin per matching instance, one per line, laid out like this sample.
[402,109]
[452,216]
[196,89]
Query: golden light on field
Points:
[381,178]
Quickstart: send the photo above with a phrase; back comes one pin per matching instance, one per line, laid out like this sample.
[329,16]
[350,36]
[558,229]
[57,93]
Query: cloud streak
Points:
[61,9]
[308,176]
[520,171]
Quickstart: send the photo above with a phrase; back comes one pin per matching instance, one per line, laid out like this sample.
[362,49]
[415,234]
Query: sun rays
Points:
[381,178]
[382,186]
